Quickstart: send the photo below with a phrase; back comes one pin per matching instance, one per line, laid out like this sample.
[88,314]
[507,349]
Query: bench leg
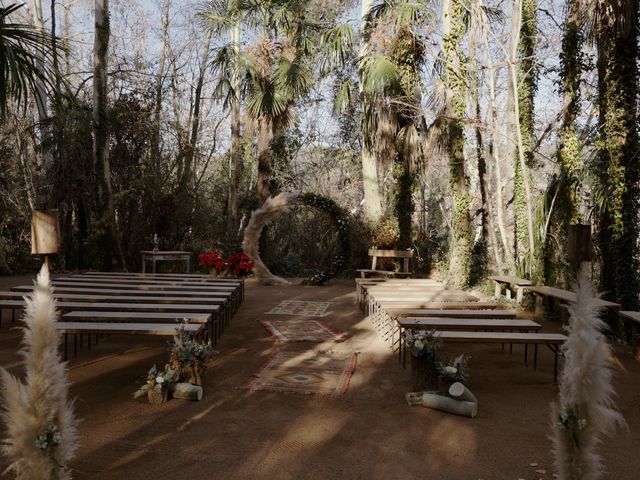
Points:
[519,295]
[556,350]
[75,344]
[535,356]
[65,347]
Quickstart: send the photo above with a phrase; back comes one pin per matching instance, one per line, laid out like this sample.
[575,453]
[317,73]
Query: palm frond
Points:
[20,47]
[344,97]
[337,46]
[293,77]
[378,73]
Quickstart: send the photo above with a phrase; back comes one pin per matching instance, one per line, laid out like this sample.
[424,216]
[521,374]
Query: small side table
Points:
[166,256]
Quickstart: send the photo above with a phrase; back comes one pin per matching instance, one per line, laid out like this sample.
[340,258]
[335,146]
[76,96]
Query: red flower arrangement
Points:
[212,260]
[240,264]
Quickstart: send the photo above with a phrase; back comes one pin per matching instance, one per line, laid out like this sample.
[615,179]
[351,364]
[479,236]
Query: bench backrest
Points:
[375,253]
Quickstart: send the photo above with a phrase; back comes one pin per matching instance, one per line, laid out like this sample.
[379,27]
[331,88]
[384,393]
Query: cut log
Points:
[186,391]
[450,405]
[460,392]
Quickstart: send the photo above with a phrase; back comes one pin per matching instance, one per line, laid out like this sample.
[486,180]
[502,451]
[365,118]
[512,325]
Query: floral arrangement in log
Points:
[188,357]
[158,384]
[213,261]
[240,264]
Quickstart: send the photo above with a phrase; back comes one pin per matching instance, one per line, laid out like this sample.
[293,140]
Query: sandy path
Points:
[369,433]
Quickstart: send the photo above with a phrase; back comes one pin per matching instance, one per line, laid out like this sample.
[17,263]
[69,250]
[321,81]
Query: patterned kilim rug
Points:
[303,309]
[301,330]
[305,372]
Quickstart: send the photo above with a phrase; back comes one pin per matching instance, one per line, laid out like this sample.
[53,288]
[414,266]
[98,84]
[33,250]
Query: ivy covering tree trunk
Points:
[524,88]
[618,166]
[454,77]
[569,151]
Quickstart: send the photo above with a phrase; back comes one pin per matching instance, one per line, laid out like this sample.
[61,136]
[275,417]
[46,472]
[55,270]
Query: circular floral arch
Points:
[284,202]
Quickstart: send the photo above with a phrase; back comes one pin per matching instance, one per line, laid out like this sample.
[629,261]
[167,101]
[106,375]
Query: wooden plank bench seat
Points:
[61,290]
[365,283]
[174,309]
[149,277]
[159,276]
[552,340]
[465,324]
[375,254]
[100,328]
[412,312]
[635,330]
[567,296]
[508,280]
[377,306]
[369,295]
[234,290]
[135,281]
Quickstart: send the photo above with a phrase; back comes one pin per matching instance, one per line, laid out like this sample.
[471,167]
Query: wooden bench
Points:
[551,293]
[375,254]
[431,295]
[364,283]
[99,328]
[427,305]
[465,324]
[412,312]
[176,310]
[149,277]
[176,288]
[508,280]
[635,330]
[552,340]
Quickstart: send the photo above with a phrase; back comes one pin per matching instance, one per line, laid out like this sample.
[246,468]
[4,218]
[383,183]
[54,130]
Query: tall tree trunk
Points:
[461,233]
[187,173]
[494,150]
[372,205]
[100,126]
[156,150]
[523,86]
[618,167]
[235,157]
[569,155]
[265,137]
[42,113]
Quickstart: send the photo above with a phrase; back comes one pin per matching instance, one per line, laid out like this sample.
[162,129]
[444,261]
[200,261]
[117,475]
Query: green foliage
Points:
[527,86]
[20,46]
[616,169]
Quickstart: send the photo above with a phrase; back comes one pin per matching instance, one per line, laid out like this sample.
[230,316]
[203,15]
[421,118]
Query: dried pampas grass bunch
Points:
[38,417]
[586,410]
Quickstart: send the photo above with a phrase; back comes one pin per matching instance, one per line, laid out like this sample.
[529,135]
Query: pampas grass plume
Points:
[585,411]
[40,424]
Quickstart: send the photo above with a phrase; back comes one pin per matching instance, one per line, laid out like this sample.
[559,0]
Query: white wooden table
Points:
[165,256]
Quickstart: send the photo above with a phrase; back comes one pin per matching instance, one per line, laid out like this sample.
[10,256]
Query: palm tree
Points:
[394,127]
[21,47]
[273,74]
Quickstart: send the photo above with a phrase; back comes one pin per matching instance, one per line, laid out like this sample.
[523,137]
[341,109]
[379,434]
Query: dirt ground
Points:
[369,433]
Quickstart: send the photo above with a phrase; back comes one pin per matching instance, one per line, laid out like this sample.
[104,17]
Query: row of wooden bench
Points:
[396,305]
[549,294]
[137,304]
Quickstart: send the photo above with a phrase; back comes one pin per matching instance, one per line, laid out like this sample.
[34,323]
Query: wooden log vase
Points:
[186,391]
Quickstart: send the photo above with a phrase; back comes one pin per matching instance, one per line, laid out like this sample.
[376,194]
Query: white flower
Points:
[159,380]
